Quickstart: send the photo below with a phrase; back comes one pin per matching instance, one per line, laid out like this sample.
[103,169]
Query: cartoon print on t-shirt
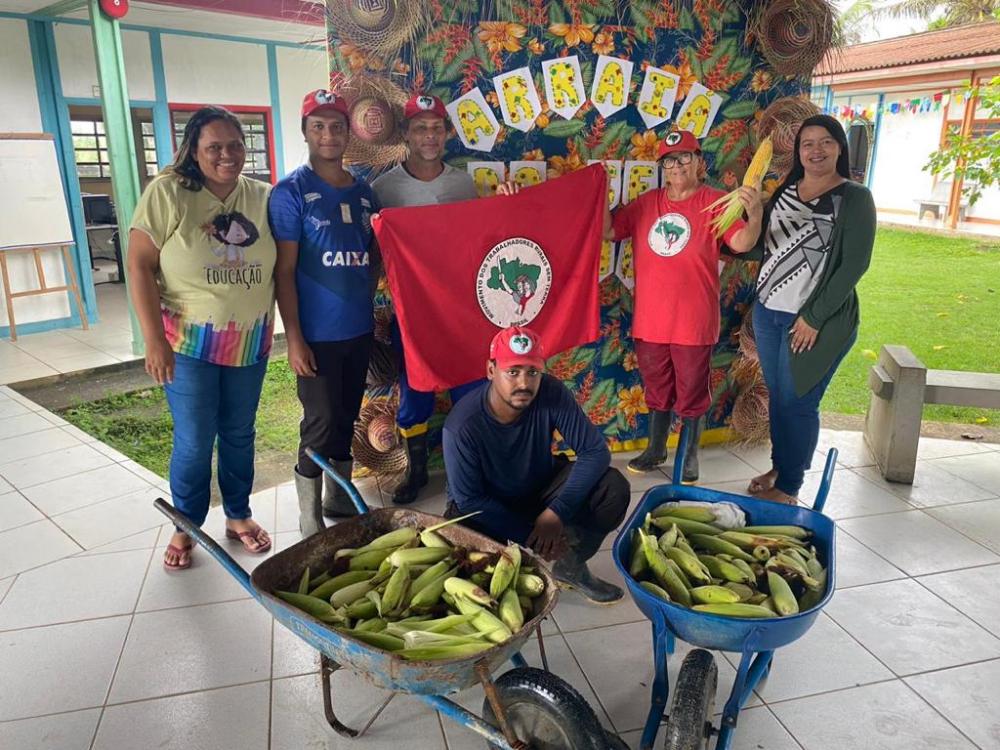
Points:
[235,232]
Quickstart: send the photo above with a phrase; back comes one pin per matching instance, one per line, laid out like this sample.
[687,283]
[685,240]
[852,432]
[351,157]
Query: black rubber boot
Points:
[694,427]
[572,572]
[656,450]
[336,502]
[416,470]
[309,491]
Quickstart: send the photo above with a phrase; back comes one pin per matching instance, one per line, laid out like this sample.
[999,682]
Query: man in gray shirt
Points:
[423,179]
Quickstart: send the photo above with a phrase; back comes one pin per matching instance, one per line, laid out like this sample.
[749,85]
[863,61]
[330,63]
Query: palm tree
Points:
[854,21]
[952,12]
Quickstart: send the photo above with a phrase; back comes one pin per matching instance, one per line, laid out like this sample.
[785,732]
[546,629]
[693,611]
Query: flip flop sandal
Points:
[248,539]
[180,552]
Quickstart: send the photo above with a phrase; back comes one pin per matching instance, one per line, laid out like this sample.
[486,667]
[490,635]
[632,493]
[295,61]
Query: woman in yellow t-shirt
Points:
[201,275]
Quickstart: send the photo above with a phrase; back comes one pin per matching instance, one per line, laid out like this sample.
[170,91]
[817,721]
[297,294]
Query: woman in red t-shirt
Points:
[676,319]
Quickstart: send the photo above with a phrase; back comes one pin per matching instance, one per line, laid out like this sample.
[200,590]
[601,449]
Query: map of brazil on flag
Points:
[460,272]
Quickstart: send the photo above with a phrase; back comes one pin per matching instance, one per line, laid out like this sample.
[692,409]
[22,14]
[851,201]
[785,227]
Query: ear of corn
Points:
[529,585]
[510,610]
[395,591]
[506,571]
[335,584]
[379,640]
[732,209]
[429,575]
[461,588]
[318,608]
[350,594]
[304,581]
[418,556]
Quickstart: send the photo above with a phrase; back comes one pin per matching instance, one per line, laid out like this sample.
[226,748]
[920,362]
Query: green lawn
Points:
[937,295]
[139,424]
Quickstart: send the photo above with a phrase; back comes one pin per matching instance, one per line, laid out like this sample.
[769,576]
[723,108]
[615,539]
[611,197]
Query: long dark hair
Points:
[184,167]
[836,130]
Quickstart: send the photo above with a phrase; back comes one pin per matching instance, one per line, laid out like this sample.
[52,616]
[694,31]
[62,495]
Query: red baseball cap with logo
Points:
[321,99]
[678,141]
[517,346]
[417,105]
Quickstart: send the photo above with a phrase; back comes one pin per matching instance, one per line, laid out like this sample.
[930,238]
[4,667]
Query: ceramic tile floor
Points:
[100,649]
[39,355]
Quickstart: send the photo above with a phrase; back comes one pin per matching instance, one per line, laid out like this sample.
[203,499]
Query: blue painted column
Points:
[874,144]
[274,85]
[117,113]
[163,132]
[55,120]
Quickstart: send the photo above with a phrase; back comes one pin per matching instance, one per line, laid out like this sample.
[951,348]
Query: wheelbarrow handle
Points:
[824,485]
[346,484]
[184,523]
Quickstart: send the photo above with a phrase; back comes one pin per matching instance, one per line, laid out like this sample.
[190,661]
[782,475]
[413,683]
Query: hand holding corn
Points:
[733,204]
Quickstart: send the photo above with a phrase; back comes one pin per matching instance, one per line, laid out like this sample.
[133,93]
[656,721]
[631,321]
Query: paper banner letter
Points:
[527,173]
[519,101]
[474,121]
[487,175]
[614,170]
[657,96]
[563,85]
[612,77]
[638,177]
[699,110]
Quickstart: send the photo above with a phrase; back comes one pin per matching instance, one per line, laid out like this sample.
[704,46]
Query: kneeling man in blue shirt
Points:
[499,461]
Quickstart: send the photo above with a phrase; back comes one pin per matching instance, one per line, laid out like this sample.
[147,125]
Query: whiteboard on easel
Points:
[33,208]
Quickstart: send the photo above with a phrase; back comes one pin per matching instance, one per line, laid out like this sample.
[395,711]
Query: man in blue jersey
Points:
[498,456]
[321,219]
[423,179]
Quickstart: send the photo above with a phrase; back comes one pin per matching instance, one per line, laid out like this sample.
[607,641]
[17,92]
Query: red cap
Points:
[517,346]
[678,140]
[321,99]
[417,105]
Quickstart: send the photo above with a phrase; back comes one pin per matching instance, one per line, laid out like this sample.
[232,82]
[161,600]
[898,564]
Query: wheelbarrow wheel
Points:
[689,725]
[545,712]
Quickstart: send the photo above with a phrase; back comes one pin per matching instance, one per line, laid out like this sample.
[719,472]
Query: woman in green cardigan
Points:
[816,247]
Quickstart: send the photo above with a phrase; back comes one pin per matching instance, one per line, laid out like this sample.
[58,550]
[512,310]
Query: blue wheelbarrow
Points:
[689,723]
[523,708]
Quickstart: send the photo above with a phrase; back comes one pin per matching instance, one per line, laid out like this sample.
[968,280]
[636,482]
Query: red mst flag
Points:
[460,272]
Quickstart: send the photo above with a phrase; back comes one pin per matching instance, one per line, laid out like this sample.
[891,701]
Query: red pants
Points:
[676,377]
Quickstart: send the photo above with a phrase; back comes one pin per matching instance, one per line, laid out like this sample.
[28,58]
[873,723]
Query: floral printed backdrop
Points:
[462,46]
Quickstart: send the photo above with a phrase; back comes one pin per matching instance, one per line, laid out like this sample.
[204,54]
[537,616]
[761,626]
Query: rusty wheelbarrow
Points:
[524,708]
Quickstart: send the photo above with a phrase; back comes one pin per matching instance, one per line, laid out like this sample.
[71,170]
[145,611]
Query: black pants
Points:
[601,513]
[331,400]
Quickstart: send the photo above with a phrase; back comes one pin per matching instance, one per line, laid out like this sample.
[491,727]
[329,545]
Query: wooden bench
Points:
[900,386]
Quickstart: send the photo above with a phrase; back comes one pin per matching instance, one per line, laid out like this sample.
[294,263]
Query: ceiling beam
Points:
[61,8]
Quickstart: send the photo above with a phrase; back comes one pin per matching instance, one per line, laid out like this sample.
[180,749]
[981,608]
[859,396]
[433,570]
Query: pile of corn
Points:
[754,177]
[681,556]
[412,593]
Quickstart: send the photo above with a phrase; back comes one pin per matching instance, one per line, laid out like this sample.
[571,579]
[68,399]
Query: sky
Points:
[889,27]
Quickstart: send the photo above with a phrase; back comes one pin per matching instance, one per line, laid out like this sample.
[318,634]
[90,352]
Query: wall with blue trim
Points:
[162,66]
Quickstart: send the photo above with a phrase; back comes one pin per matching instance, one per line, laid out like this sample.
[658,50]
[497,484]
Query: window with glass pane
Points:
[149,149]
[90,146]
[257,164]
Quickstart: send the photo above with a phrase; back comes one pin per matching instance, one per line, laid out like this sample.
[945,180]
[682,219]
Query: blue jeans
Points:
[794,420]
[416,407]
[211,402]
